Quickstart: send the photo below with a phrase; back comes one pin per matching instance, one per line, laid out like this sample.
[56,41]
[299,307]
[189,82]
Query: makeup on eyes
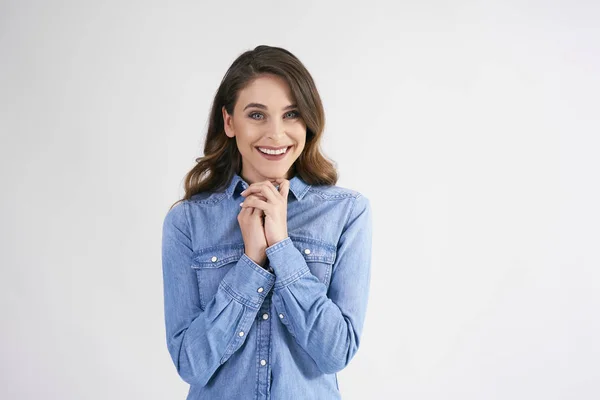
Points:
[252,113]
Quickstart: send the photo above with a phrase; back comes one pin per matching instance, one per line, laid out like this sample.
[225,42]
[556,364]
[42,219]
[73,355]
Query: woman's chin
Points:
[273,174]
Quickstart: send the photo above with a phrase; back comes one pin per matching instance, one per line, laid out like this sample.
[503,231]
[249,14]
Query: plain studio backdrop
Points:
[473,127]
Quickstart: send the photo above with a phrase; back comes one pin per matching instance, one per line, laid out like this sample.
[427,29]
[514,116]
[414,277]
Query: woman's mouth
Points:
[273,154]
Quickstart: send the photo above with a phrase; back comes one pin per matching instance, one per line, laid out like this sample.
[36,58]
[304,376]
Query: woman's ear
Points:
[227,123]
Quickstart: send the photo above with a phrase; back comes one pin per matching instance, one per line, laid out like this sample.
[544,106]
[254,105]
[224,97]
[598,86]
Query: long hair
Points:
[222,158]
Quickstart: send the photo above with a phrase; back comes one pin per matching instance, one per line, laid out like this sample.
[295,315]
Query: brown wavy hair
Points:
[221,157]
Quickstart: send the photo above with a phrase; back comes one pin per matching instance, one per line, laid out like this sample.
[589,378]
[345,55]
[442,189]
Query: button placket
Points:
[265,338]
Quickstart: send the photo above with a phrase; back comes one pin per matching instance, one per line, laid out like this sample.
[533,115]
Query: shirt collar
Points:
[297,186]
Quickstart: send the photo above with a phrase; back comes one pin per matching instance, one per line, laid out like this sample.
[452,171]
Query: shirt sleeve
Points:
[327,328]
[199,341]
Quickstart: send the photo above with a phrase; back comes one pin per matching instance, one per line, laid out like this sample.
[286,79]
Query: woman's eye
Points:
[295,114]
[252,115]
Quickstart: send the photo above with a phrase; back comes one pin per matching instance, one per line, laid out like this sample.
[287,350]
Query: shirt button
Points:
[263,362]
[265,316]
[241,333]
[260,290]
[213,259]
[280,315]
[306,251]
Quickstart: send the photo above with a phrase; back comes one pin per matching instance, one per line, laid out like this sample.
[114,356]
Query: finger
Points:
[253,201]
[245,212]
[260,196]
[258,213]
[284,189]
[265,189]
[257,189]
[257,195]
[273,189]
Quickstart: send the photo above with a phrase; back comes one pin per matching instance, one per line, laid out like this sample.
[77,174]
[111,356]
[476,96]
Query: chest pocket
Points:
[211,264]
[319,257]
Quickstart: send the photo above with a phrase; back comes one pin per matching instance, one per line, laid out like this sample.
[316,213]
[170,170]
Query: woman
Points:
[265,291]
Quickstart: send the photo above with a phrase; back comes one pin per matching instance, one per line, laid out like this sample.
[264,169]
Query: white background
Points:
[473,127]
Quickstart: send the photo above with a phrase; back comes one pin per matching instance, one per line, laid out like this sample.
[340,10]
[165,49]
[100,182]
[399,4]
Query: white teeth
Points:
[274,152]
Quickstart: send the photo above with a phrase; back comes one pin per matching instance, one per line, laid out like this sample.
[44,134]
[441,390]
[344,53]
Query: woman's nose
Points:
[277,130]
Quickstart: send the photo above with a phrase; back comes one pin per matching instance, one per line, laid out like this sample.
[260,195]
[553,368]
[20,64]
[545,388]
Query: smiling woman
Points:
[266,99]
[267,126]
[266,261]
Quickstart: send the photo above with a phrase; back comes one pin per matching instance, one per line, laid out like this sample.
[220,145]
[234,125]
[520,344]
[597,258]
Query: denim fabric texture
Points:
[237,330]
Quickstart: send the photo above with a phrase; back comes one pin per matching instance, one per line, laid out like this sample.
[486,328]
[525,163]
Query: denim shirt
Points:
[237,330]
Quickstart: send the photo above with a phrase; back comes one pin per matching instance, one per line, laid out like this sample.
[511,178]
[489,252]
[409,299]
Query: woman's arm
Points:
[327,328]
[199,341]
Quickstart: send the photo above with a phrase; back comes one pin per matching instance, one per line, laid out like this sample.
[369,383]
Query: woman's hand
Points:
[250,220]
[274,208]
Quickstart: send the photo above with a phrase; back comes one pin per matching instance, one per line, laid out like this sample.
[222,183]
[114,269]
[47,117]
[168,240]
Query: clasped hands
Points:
[263,200]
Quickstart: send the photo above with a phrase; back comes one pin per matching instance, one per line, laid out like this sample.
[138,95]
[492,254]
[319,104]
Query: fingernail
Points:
[241,203]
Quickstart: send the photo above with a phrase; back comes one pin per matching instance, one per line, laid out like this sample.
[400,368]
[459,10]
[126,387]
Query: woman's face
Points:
[265,117]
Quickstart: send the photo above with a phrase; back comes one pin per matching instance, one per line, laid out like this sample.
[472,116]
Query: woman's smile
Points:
[273,155]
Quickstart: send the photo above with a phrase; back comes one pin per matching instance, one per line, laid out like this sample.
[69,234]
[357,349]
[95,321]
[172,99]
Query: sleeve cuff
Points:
[287,262]
[248,282]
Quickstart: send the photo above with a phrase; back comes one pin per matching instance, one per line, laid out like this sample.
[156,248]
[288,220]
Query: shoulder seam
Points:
[325,196]
[350,213]
[187,218]
[211,200]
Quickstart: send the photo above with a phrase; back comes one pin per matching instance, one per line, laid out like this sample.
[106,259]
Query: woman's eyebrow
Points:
[263,107]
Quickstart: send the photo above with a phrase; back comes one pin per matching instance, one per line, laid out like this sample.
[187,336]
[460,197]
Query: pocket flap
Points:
[217,256]
[314,250]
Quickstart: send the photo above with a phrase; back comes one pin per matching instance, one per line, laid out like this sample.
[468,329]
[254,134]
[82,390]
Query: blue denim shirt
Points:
[236,330]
